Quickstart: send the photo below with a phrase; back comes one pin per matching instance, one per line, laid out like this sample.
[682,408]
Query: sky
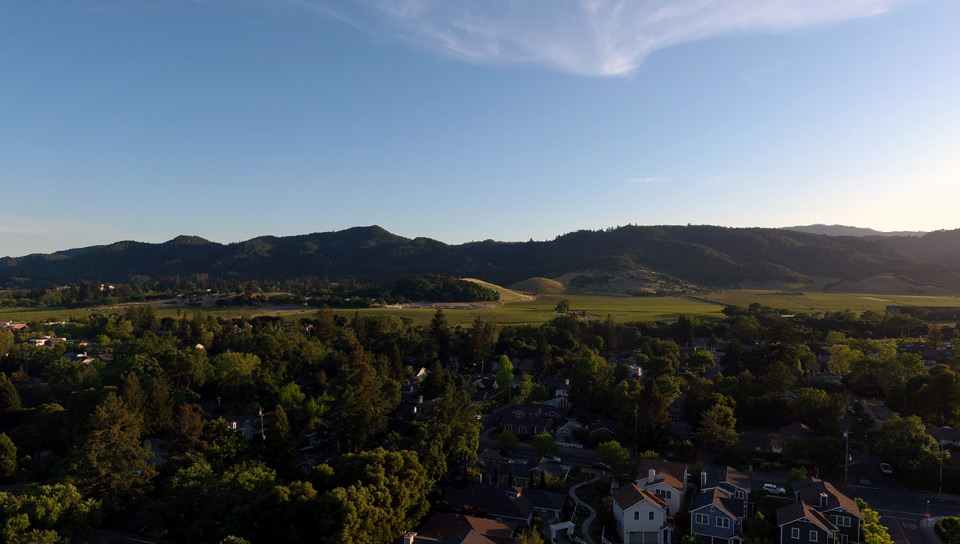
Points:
[463,120]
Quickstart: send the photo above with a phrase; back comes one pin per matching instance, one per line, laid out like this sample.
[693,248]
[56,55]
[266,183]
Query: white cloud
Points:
[590,37]
[647,180]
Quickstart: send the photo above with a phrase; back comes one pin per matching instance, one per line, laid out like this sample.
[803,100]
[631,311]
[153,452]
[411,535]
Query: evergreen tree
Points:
[8,456]
[111,462]
[9,397]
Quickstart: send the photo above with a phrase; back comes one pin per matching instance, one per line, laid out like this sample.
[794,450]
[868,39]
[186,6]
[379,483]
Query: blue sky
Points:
[462,120]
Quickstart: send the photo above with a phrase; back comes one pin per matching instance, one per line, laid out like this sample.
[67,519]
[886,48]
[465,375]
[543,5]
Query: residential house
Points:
[838,508]
[531,420]
[499,502]
[665,479]
[641,516]
[459,529]
[716,517]
[877,410]
[945,435]
[799,523]
[731,481]
[499,470]
[565,434]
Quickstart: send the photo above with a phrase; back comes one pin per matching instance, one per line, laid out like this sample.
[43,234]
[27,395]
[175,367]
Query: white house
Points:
[666,480]
[641,516]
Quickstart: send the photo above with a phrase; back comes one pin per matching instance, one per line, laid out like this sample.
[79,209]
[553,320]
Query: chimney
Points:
[823,500]
[566,381]
[419,399]
[409,537]
[703,479]
[651,474]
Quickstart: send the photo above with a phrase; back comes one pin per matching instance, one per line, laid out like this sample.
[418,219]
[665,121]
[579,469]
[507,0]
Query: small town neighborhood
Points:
[654,457]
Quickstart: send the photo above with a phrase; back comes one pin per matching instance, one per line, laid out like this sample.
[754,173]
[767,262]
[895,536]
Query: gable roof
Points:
[809,490]
[501,501]
[729,475]
[670,472]
[630,495]
[801,510]
[721,500]
[444,526]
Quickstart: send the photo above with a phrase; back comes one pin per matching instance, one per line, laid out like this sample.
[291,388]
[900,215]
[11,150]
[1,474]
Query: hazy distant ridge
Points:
[843,230]
[701,255]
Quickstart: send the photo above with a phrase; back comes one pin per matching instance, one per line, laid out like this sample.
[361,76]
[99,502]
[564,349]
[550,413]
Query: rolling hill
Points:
[626,259]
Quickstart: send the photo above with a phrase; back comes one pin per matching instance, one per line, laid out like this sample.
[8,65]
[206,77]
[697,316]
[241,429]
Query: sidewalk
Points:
[593,513]
[928,525]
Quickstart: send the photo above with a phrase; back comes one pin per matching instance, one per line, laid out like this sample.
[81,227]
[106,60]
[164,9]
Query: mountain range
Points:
[630,259]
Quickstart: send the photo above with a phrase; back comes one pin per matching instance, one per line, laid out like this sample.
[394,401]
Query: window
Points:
[739,494]
[651,514]
[723,522]
[795,533]
[636,515]
[703,519]
[662,493]
[813,536]
[841,521]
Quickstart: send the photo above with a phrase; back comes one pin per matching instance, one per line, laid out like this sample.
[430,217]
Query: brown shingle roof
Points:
[809,490]
[797,510]
[630,495]
[671,472]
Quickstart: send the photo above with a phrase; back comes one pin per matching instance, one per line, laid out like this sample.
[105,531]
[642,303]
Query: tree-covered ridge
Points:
[704,255]
[436,288]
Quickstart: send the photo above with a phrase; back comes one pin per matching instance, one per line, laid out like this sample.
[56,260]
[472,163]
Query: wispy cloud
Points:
[647,180]
[590,37]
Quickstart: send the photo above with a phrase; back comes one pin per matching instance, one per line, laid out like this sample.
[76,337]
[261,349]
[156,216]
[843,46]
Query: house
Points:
[838,508]
[531,420]
[459,529]
[794,430]
[799,523]
[499,502]
[716,517]
[641,516]
[565,434]
[731,481]
[876,409]
[665,479]
[499,470]
[547,505]
[945,435]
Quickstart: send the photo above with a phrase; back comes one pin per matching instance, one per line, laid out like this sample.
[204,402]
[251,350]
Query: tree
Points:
[111,462]
[43,514]
[507,441]
[504,373]
[904,443]
[8,456]
[361,411]
[381,495]
[545,444]
[563,306]
[717,428]
[873,531]
[9,397]
[439,334]
[615,455]
[529,536]
[188,428]
[526,387]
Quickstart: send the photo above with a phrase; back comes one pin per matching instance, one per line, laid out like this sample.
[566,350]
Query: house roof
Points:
[729,475]
[798,430]
[544,500]
[809,490]
[501,501]
[630,495]
[724,502]
[442,525]
[671,472]
[947,434]
[800,510]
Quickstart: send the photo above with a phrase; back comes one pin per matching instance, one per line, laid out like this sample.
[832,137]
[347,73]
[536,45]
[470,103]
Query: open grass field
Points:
[819,301]
[621,308]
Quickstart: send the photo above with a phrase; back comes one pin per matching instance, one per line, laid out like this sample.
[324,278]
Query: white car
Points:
[554,459]
[774,489]
[886,468]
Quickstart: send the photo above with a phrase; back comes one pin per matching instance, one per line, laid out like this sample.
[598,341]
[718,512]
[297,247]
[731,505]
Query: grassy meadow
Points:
[517,312]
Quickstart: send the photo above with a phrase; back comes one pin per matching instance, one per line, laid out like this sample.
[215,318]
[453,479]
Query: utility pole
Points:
[846,454]
[940,490]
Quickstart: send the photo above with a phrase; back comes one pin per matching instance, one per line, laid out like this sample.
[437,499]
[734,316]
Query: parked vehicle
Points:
[602,466]
[774,489]
[886,468]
